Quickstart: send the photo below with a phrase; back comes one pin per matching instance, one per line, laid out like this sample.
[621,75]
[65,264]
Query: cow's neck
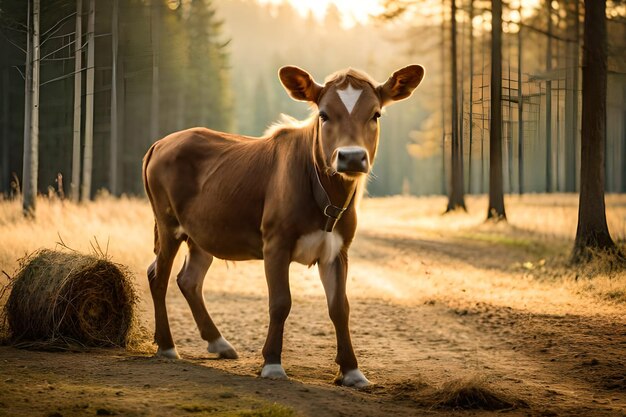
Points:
[333,193]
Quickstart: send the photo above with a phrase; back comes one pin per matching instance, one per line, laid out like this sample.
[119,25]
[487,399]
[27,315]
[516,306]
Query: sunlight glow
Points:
[352,11]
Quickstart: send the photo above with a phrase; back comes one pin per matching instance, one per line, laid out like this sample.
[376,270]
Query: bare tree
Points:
[549,100]
[31,117]
[5,174]
[88,152]
[471,92]
[78,80]
[443,99]
[496,188]
[154,108]
[592,233]
[571,97]
[456,199]
[113,164]
[520,108]
[28,203]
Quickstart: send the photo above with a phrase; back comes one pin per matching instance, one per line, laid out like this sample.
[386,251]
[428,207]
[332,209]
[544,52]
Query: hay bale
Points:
[472,394]
[59,299]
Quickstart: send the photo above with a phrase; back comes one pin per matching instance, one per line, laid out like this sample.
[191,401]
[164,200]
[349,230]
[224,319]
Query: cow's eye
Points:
[376,116]
[323,116]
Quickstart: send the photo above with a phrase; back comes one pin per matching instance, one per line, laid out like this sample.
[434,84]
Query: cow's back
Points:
[211,187]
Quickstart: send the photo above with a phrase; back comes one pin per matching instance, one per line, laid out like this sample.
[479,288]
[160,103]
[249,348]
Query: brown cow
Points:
[288,196]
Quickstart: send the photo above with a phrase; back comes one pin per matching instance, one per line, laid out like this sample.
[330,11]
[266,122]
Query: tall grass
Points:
[541,229]
[549,215]
[123,228]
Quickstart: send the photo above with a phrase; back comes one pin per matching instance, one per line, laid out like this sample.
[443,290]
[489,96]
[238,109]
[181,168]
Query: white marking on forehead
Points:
[349,97]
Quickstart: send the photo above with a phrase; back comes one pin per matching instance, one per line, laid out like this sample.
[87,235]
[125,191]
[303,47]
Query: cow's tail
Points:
[146,161]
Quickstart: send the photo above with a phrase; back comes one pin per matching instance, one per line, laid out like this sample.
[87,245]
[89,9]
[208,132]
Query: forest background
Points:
[214,63]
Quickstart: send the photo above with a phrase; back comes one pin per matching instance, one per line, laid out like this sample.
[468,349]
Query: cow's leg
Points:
[190,280]
[277,275]
[158,276]
[333,275]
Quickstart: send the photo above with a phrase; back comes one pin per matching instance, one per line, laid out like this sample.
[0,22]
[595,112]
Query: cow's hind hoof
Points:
[223,349]
[273,371]
[170,353]
[353,378]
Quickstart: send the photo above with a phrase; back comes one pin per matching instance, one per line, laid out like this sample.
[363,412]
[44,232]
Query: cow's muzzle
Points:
[352,160]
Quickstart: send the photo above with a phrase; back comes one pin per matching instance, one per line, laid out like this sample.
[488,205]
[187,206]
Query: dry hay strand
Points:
[469,393]
[60,299]
[472,394]
[594,262]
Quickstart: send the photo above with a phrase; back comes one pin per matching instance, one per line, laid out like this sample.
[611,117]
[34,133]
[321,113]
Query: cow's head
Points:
[350,104]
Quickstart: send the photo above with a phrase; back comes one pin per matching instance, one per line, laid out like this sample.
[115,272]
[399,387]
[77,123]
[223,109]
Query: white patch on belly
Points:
[179,232]
[317,246]
[349,96]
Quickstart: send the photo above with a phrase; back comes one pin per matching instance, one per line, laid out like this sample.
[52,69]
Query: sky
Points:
[358,11]
[352,10]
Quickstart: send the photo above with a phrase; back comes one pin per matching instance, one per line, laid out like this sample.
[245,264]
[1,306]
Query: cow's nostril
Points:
[352,159]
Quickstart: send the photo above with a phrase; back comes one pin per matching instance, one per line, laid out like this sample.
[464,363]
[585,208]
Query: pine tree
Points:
[592,233]
[207,87]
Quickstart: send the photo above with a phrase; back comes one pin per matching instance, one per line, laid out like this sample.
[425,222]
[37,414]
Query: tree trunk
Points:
[520,110]
[571,101]
[78,86]
[623,142]
[6,172]
[508,138]
[461,99]
[549,101]
[31,118]
[28,99]
[482,121]
[121,120]
[154,107]
[592,233]
[114,127]
[88,153]
[496,189]
[471,93]
[180,105]
[456,198]
[443,100]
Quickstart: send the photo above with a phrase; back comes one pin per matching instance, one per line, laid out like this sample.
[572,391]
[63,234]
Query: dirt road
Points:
[480,306]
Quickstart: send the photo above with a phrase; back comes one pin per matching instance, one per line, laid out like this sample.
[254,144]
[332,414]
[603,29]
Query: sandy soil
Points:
[430,305]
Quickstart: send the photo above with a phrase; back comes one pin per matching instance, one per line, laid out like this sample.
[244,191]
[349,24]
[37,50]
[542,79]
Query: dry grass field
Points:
[439,304]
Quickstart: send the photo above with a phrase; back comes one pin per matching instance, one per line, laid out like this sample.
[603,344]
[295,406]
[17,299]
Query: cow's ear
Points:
[401,84]
[299,84]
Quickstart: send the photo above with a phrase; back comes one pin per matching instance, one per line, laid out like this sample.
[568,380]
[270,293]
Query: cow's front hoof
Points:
[170,353]
[273,371]
[353,378]
[223,349]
